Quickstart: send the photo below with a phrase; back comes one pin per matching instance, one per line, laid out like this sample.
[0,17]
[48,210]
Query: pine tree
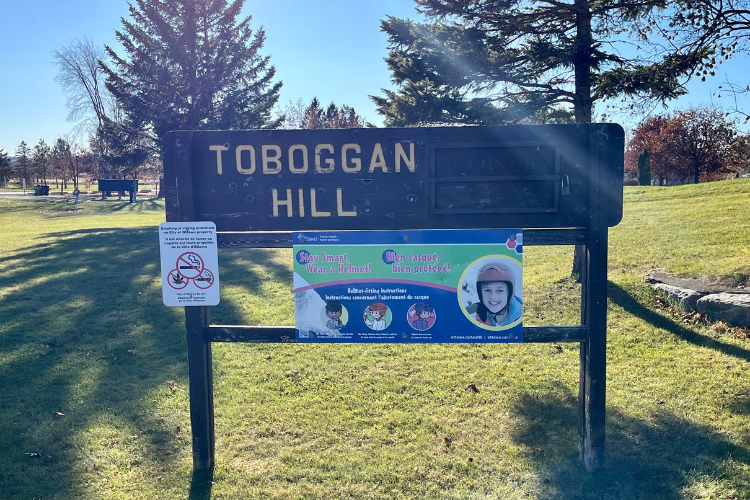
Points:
[189,64]
[503,61]
[40,160]
[500,61]
[5,167]
[22,153]
[644,169]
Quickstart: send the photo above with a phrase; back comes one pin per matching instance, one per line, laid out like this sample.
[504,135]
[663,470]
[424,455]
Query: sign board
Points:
[561,184]
[409,286]
[414,178]
[189,263]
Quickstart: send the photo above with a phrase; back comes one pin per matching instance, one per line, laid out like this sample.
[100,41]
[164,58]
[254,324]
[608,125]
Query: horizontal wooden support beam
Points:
[531,237]
[568,333]
[271,334]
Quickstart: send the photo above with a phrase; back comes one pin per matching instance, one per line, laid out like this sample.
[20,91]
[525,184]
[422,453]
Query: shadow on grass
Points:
[623,299]
[86,351]
[115,205]
[200,485]
[655,459]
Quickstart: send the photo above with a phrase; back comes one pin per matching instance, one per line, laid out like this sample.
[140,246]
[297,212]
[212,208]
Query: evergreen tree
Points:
[500,61]
[23,153]
[5,167]
[40,159]
[189,65]
[644,169]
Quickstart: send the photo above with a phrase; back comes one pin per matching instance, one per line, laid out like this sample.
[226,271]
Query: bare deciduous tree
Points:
[315,116]
[80,76]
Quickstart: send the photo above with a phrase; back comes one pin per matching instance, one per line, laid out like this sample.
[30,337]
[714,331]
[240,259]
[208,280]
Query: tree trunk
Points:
[582,100]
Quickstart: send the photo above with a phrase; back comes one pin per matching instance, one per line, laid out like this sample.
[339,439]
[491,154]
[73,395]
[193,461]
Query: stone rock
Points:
[697,285]
[685,296]
[732,308]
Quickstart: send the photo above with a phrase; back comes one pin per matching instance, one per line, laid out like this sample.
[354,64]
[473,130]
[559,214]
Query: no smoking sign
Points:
[189,263]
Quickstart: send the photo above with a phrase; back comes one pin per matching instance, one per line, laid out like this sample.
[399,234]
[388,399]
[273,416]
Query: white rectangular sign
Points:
[189,263]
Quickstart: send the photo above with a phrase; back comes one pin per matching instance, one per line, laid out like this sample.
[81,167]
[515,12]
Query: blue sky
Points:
[332,49]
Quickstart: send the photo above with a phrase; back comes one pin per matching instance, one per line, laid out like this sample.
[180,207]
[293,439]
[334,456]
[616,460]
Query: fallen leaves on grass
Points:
[673,311]
[720,327]
[694,318]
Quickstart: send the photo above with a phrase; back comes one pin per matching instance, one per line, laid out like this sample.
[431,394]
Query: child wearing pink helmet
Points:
[498,304]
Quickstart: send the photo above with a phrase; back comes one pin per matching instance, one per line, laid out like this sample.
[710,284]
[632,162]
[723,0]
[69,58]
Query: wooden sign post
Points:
[561,183]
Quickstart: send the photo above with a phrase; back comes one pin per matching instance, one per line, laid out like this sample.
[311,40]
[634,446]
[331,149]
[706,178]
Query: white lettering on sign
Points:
[267,158]
[238,159]
[219,149]
[356,161]
[297,161]
[401,154]
[288,202]
[377,160]
[299,169]
[330,161]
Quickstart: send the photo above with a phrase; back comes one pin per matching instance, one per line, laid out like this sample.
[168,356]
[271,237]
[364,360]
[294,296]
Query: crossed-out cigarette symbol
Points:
[190,268]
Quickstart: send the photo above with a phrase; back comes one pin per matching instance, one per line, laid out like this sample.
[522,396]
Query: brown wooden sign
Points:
[419,178]
[561,184]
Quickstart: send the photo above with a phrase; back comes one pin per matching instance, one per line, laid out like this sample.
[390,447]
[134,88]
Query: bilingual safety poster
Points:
[409,286]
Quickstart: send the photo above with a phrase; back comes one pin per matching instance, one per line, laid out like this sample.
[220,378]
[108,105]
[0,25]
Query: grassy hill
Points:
[94,374]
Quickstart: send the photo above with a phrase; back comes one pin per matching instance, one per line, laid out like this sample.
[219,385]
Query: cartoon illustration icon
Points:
[374,316]
[495,286]
[421,316]
[334,310]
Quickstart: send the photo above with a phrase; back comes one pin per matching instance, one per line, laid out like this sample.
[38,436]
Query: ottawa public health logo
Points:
[190,268]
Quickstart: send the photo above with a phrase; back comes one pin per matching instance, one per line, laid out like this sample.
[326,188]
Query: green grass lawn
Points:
[94,374]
